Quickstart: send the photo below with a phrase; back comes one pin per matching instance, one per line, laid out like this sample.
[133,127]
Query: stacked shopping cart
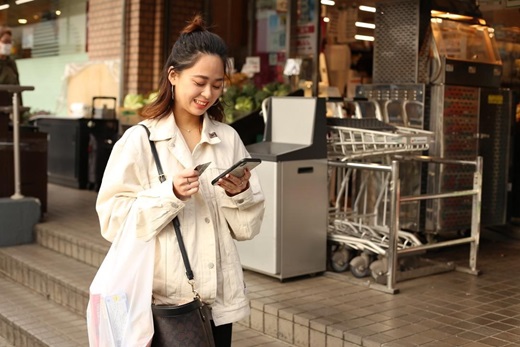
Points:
[360,152]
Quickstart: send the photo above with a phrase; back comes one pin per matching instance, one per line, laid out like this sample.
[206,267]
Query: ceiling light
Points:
[448,15]
[365,25]
[19,2]
[367,8]
[4,7]
[364,38]
[328,2]
[22,21]
[58,12]
[326,19]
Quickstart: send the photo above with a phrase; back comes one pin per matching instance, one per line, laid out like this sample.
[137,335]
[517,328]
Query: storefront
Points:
[393,58]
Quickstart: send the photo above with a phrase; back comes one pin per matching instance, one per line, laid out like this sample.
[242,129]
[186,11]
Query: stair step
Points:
[53,275]
[28,319]
[79,243]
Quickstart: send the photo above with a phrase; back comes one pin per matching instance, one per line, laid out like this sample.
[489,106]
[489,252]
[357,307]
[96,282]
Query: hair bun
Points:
[196,24]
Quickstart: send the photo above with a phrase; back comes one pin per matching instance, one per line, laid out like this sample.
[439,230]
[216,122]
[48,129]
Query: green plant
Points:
[239,101]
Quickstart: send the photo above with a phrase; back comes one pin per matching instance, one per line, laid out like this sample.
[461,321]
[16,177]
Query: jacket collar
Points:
[165,128]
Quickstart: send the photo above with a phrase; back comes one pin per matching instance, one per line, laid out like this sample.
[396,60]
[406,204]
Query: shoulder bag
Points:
[186,325]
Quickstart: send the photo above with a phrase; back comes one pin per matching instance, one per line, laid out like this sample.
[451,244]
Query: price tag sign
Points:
[251,66]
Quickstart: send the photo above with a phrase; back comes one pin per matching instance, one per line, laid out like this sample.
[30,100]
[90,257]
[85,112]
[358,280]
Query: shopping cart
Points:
[358,229]
[363,138]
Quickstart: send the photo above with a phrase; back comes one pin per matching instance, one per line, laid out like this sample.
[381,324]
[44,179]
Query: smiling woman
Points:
[185,124]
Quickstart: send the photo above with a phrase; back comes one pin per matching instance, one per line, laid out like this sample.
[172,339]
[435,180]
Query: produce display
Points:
[136,101]
[242,99]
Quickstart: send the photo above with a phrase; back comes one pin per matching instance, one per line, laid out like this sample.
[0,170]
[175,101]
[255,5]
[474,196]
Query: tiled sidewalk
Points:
[338,310]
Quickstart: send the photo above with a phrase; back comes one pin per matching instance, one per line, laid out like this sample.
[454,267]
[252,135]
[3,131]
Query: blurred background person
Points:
[8,69]
[8,75]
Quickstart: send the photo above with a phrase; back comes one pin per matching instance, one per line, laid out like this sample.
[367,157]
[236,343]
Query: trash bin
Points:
[293,175]
[100,141]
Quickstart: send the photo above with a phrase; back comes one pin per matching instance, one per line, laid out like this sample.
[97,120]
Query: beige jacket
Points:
[209,220]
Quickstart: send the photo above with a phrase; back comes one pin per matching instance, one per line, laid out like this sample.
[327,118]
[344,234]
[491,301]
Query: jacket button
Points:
[206,220]
[211,265]
[240,201]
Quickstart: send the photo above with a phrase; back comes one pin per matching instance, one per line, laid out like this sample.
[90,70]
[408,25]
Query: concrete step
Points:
[53,275]
[63,282]
[28,319]
[76,243]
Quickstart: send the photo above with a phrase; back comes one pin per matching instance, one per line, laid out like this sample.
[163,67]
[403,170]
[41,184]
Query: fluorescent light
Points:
[326,19]
[328,2]
[448,15]
[22,21]
[365,25]
[19,2]
[364,38]
[367,8]
[4,7]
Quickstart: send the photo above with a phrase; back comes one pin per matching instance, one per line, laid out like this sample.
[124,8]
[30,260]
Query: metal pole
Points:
[16,148]
[395,192]
[15,90]
[475,215]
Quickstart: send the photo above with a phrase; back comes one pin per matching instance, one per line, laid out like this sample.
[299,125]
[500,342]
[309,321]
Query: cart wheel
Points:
[409,263]
[359,266]
[378,269]
[339,259]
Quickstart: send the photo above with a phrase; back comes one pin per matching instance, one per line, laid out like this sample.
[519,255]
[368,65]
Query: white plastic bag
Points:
[119,309]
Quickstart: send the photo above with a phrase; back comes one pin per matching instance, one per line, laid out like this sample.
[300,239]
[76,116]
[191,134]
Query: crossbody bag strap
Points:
[176,223]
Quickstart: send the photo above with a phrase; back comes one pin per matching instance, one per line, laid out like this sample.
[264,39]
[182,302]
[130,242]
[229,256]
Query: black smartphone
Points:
[237,169]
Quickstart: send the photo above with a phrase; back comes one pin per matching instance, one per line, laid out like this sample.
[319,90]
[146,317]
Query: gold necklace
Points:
[188,130]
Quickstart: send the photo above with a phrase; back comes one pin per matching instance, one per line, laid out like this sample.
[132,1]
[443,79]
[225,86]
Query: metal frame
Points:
[339,156]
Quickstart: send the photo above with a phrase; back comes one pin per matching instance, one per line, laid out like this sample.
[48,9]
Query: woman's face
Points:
[6,38]
[199,87]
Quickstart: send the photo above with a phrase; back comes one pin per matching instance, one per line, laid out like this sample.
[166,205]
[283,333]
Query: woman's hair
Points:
[5,30]
[194,41]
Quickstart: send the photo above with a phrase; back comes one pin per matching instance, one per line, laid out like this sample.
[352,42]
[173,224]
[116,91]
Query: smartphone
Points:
[237,169]
[202,167]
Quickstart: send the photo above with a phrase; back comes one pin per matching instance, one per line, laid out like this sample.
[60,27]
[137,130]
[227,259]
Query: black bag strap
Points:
[176,223]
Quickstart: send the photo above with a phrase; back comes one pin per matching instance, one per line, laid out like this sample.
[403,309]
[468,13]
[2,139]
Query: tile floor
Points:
[448,309]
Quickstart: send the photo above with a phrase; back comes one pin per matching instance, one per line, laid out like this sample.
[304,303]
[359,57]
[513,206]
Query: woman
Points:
[8,69]
[185,124]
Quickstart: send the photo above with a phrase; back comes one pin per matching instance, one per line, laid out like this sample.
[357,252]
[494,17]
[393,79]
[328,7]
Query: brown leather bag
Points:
[185,325]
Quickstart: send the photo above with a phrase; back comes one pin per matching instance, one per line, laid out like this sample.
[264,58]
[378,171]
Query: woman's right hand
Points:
[186,183]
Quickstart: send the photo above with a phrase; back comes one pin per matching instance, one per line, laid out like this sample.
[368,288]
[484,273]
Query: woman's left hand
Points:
[235,185]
